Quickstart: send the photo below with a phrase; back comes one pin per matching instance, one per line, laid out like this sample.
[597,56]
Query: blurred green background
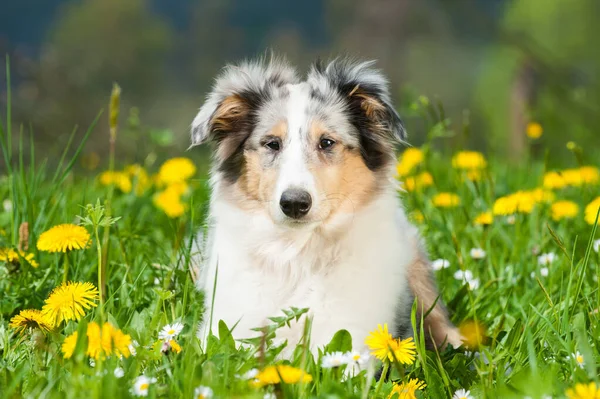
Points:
[495,65]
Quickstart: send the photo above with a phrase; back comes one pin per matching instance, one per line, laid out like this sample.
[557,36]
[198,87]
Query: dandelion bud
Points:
[113,116]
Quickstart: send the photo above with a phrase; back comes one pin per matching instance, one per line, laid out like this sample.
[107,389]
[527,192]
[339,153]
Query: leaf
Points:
[341,341]
[225,336]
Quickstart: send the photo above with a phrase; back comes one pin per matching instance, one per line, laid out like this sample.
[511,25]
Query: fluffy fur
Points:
[352,258]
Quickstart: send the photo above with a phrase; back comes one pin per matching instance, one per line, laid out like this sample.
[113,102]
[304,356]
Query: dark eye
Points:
[326,143]
[274,145]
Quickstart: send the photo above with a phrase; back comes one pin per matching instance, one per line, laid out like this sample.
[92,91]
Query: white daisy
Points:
[141,385]
[578,357]
[355,357]
[334,359]
[440,264]
[462,394]
[249,375]
[119,372]
[170,331]
[546,259]
[463,275]
[478,253]
[596,246]
[544,271]
[203,392]
[473,283]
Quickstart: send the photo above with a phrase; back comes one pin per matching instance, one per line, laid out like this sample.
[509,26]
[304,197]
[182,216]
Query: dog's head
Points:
[301,151]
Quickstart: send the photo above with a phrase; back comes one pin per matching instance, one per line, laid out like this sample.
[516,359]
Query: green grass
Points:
[533,324]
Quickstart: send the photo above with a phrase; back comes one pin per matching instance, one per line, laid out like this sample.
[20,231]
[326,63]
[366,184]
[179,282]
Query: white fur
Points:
[353,283]
[294,172]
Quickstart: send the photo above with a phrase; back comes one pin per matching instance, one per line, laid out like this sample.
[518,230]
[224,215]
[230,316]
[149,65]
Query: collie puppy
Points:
[304,209]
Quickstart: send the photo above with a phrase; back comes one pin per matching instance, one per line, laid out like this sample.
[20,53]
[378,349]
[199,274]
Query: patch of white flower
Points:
[334,359]
[546,259]
[440,264]
[462,394]
[466,276]
[170,331]
[203,392]
[478,253]
[141,385]
[119,372]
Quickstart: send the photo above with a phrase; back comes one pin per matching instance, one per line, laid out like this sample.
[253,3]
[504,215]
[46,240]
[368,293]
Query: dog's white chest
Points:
[353,284]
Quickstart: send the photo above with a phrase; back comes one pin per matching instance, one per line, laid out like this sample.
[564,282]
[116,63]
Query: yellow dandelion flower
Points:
[30,318]
[176,170]
[417,216]
[572,177]
[141,180]
[411,157]
[276,374]
[564,210]
[69,302]
[169,200]
[418,182]
[446,200]
[63,238]
[521,201]
[589,174]
[505,205]
[383,346]
[106,341]
[119,179]
[403,350]
[553,181]
[469,160]
[473,333]
[484,219]
[94,337]
[407,390]
[121,343]
[9,255]
[68,346]
[584,391]
[175,346]
[379,342]
[592,210]
[534,130]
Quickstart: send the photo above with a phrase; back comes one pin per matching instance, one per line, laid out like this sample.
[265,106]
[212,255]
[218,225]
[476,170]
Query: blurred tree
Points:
[92,44]
[545,68]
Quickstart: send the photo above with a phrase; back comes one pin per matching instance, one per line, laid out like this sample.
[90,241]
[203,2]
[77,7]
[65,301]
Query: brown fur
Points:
[227,123]
[437,326]
[342,176]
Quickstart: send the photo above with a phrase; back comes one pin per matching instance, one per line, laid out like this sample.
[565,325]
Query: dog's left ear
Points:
[365,90]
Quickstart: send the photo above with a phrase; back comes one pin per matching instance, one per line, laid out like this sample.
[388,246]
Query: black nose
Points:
[295,203]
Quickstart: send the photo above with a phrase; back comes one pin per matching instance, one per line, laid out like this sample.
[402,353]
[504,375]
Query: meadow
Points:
[97,294]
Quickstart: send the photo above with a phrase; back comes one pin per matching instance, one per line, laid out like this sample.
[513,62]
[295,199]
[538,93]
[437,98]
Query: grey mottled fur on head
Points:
[349,97]
[258,76]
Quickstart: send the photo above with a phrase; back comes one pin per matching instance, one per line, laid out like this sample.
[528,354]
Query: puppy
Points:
[304,209]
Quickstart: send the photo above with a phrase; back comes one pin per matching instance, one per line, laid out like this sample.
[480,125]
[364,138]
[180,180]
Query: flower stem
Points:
[66,268]
[100,274]
[386,367]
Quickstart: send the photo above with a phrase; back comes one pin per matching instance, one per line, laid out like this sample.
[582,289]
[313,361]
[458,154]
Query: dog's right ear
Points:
[228,115]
